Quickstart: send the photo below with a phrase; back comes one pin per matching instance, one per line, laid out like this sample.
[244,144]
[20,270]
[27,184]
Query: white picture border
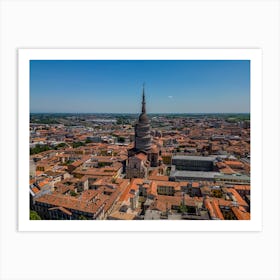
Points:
[255,57]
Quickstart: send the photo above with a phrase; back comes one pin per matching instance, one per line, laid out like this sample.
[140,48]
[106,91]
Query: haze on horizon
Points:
[115,86]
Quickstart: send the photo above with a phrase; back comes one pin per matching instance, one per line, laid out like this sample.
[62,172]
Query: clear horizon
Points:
[115,86]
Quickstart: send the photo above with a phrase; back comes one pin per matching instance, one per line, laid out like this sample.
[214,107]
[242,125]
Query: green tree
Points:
[77,144]
[183,208]
[217,193]
[102,164]
[38,149]
[119,121]
[61,145]
[73,193]
[34,215]
[81,217]
[68,162]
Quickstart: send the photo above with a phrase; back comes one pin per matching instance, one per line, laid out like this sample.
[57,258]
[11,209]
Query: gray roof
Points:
[207,175]
[234,176]
[194,158]
[194,174]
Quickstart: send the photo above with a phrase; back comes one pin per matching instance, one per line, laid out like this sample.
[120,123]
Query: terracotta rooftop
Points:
[57,200]
[239,199]
[158,178]
[126,193]
[141,156]
[35,190]
[212,206]
[240,214]
[242,187]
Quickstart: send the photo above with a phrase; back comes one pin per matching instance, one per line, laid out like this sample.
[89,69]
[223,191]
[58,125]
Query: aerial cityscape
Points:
[130,163]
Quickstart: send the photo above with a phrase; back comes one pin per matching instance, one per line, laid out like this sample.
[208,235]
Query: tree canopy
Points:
[34,215]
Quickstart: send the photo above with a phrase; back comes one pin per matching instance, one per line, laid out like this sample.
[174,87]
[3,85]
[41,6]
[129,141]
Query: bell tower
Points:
[143,139]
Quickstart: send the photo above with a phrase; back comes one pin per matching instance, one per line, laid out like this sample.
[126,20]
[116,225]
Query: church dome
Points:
[143,118]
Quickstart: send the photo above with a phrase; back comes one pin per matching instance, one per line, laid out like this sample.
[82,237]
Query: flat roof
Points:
[207,174]
[234,176]
[194,158]
[194,174]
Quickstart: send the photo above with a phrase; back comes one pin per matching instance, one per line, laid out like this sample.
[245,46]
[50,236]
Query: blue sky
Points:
[115,86]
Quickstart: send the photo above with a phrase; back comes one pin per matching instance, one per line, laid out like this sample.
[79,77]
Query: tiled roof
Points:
[212,206]
[240,213]
[141,156]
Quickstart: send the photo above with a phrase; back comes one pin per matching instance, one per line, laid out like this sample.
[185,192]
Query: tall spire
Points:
[143,100]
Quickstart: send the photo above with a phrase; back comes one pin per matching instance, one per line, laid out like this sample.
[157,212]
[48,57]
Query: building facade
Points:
[193,163]
[137,166]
